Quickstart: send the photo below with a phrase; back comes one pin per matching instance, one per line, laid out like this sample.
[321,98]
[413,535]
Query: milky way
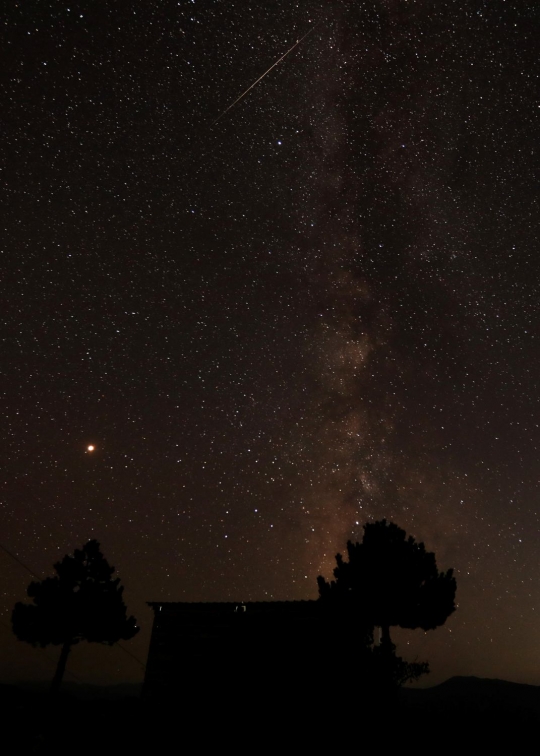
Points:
[317,311]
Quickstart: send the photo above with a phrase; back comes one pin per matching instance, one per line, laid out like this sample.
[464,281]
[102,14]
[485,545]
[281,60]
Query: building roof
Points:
[260,606]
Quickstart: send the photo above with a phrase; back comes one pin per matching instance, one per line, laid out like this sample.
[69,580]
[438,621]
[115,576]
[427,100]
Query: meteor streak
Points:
[298,41]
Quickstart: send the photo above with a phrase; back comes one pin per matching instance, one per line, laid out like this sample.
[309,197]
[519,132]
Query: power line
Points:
[124,649]
[19,561]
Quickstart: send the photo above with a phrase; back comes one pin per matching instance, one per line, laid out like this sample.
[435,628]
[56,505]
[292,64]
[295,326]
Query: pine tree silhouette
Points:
[82,602]
[391,580]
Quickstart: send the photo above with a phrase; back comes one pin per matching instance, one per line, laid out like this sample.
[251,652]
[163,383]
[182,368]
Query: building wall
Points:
[225,649]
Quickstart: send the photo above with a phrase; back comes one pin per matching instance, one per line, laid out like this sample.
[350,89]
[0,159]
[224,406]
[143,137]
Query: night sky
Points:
[318,311]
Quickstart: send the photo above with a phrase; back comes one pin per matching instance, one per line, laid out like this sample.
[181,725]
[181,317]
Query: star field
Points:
[319,310]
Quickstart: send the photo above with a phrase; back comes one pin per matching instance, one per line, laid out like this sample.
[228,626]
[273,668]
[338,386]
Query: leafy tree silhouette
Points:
[391,580]
[82,602]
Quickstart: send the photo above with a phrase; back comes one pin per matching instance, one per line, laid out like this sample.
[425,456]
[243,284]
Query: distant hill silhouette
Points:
[488,708]
[477,691]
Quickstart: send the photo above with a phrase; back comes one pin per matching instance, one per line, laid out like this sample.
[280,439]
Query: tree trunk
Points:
[60,669]
[387,681]
[385,637]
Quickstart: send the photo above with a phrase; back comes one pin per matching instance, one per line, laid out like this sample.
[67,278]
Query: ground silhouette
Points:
[454,714]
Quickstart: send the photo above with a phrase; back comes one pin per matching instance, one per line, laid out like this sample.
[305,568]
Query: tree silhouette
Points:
[391,580]
[82,602]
